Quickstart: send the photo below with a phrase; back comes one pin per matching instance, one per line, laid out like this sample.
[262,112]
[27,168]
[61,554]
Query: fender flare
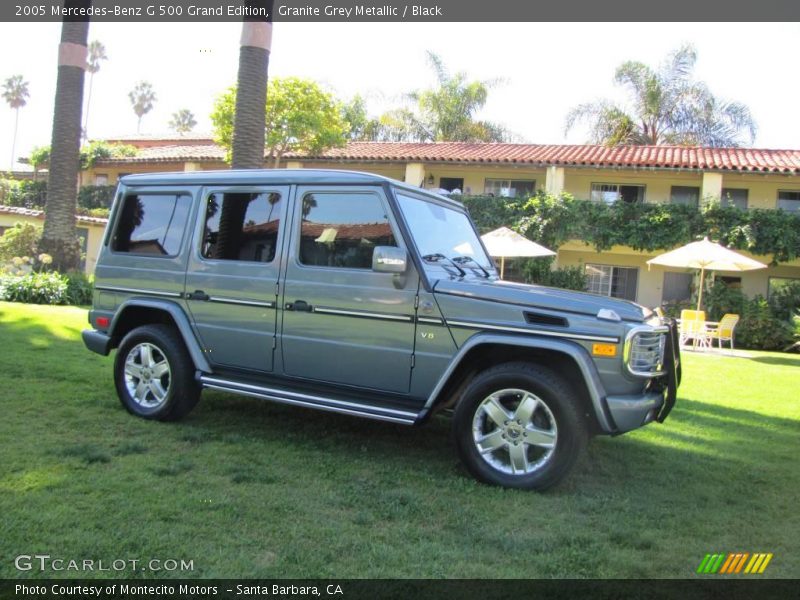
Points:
[576,352]
[179,318]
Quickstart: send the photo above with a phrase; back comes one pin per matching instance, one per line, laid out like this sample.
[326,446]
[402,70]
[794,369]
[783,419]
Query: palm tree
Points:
[183,121]
[142,98]
[15,92]
[667,107]
[97,52]
[59,238]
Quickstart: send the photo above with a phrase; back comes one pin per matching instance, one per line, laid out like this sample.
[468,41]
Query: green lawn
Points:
[245,488]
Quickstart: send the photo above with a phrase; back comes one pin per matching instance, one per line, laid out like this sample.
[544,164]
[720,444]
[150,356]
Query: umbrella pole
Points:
[502,266]
[700,294]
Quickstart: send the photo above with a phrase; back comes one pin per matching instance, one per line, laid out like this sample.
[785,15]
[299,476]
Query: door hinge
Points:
[277,289]
[413,361]
[274,342]
[416,302]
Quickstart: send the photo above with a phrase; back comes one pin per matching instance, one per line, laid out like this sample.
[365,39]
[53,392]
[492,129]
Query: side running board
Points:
[318,402]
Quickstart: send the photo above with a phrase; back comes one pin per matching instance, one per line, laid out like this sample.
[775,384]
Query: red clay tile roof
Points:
[669,157]
[39,214]
[672,157]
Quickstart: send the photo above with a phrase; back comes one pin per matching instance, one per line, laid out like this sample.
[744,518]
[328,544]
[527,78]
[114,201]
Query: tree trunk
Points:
[251,89]
[249,117]
[59,238]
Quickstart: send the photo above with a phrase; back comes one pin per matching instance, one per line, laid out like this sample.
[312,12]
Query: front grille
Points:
[644,352]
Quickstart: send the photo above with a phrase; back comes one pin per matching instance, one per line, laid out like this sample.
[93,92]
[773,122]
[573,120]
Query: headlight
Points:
[643,353]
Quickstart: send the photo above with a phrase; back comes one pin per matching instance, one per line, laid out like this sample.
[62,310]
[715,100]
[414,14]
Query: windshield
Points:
[440,230]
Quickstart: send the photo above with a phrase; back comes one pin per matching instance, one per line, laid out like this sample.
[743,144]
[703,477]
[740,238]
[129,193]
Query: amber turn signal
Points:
[607,350]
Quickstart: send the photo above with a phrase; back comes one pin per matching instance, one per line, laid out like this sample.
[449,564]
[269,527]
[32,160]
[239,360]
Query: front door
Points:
[233,274]
[342,322]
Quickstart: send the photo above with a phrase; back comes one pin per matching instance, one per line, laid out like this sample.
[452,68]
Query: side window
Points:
[241,226]
[341,229]
[152,224]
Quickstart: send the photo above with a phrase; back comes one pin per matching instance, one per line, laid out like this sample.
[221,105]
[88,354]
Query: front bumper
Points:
[97,341]
[658,400]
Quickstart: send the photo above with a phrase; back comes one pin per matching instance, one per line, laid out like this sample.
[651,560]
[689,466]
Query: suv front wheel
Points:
[519,425]
[154,374]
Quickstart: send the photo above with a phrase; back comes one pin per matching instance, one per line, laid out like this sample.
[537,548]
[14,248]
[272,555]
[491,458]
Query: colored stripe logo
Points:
[734,563]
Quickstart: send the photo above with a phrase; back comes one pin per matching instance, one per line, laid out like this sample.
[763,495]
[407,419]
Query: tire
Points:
[154,374]
[519,425]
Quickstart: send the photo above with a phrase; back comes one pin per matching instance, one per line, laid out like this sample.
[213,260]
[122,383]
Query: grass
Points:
[245,488]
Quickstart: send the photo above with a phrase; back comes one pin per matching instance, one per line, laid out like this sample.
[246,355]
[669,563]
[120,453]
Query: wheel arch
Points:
[146,311]
[483,350]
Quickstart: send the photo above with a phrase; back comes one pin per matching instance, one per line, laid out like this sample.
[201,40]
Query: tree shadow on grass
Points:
[788,361]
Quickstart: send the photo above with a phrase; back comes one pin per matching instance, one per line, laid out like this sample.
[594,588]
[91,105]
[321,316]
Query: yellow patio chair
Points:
[693,327]
[723,332]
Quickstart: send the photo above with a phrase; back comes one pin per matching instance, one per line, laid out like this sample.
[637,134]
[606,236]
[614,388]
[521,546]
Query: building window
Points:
[677,287]
[612,192]
[101,179]
[510,188]
[789,200]
[777,283]
[682,194]
[152,224]
[734,197]
[732,282]
[452,184]
[253,232]
[342,229]
[609,280]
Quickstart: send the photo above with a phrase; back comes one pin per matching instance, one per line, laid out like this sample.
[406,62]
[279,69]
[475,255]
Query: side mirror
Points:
[389,259]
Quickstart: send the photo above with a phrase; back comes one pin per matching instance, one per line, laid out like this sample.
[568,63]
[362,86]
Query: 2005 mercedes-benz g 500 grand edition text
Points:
[357,294]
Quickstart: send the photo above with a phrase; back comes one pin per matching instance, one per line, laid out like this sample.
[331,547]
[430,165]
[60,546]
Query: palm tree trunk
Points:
[250,115]
[251,89]
[59,238]
[14,139]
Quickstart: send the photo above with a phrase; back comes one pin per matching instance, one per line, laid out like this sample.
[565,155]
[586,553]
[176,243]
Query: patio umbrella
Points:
[504,243]
[706,255]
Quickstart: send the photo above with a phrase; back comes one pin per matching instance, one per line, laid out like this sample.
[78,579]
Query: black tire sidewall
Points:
[559,398]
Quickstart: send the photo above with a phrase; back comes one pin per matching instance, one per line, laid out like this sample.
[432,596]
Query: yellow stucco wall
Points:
[93,242]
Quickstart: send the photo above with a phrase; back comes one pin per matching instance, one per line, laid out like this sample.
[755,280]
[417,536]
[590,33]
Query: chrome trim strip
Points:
[110,288]
[430,320]
[366,315]
[311,400]
[558,334]
[242,302]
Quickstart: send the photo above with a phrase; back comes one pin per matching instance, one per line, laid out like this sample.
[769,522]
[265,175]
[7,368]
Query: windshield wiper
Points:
[468,259]
[436,257]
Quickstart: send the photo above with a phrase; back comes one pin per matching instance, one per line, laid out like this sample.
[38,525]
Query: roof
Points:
[39,214]
[670,157]
[760,160]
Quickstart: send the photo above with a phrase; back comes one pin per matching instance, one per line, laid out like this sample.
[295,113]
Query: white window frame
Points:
[597,194]
[505,186]
[604,289]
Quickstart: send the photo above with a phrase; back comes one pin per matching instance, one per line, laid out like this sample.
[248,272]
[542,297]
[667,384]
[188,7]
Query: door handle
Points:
[198,295]
[299,306]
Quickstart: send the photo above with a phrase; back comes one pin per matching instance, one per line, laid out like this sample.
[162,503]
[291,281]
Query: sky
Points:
[540,70]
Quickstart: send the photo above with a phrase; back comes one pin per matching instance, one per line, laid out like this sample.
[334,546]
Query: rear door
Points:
[232,278]
[342,322]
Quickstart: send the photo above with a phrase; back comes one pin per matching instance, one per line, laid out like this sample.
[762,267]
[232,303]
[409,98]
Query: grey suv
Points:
[357,294]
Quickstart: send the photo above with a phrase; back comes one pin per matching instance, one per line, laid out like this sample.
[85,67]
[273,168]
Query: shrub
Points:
[91,197]
[25,193]
[722,299]
[80,288]
[19,240]
[539,270]
[760,329]
[785,300]
[35,288]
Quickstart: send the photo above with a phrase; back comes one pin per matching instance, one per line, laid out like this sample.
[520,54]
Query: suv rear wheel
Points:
[519,425]
[154,374]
